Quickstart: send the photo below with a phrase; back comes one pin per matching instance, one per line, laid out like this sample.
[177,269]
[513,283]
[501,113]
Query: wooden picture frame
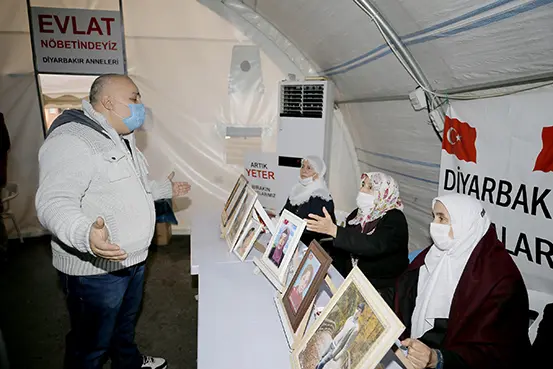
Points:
[240,217]
[233,199]
[359,318]
[246,241]
[283,244]
[305,283]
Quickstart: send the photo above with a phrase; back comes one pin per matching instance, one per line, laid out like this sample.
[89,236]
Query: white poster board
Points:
[500,151]
[262,171]
[77,41]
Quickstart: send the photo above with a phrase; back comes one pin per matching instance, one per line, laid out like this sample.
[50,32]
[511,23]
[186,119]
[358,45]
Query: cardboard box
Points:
[163,234]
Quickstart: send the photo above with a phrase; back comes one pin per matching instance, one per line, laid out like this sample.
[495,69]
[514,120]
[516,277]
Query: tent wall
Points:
[391,137]
[20,105]
[180,60]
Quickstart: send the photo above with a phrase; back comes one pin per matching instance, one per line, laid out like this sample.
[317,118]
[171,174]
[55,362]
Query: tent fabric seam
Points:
[435,27]
[399,173]
[397,158]
[358,62]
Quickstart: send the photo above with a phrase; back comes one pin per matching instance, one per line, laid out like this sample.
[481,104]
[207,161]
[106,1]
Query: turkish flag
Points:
[459,139]
[544,162]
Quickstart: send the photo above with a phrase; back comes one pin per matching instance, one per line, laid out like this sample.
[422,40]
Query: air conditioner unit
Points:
[305,121]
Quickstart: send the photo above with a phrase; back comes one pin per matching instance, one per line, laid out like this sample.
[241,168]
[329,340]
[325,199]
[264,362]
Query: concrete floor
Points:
[34,320]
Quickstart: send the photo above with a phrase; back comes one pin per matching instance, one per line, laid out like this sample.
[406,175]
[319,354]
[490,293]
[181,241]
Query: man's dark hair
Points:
[98,85]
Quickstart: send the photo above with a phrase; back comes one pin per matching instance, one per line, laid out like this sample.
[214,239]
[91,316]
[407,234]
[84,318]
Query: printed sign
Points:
[500,151]
[77,41]
[264,175]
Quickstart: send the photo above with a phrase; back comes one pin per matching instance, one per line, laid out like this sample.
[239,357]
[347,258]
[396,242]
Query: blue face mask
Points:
[136,119]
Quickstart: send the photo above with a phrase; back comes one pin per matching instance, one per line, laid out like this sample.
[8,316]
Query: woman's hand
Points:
[420,355]
[323,225]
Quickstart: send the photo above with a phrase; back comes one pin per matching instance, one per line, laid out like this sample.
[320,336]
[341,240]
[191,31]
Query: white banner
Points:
[500,151]
[77,41]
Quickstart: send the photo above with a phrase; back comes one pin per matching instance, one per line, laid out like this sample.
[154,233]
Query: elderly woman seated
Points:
[310,195]
[463,299]
[375,236]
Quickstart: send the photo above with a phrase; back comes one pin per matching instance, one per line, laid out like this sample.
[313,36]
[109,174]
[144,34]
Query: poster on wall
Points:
[77,41]
[500,151]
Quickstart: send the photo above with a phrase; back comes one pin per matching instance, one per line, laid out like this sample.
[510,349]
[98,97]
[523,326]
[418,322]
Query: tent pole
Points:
[375,14]
[372,11]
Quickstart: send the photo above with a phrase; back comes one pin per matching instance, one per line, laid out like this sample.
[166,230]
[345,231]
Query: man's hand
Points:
[179,188]
[323,225]
[420,355]
[99,244]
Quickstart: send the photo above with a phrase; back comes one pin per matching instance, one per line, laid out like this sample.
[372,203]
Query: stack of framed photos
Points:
[281,248]
[232,202]
[243,219]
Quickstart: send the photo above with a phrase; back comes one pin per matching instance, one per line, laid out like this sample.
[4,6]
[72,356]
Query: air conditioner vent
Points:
[302,101]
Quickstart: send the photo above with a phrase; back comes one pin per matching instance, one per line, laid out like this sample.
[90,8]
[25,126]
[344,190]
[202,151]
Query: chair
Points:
[10,192]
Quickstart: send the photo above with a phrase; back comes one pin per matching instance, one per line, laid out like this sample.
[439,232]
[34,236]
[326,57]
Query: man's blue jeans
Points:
[103,310]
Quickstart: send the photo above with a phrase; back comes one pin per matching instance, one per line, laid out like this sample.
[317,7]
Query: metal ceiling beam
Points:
[370,99]
[537,78]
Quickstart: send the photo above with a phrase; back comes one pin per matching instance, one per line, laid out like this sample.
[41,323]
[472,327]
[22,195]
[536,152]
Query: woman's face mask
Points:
[440,234]
[365,202]
[440,229]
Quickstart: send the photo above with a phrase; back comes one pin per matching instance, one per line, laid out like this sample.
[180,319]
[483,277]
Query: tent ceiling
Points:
[57,85]
[457,43]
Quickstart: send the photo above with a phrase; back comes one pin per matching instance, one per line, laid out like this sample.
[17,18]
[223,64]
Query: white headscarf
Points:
[317,188]
[442,269]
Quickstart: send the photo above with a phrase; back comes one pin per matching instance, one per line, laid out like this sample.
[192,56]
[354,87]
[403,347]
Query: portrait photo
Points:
[301,285]
[234,198]
[280,247]
[305,283]
[355,330]
[240,217]
[283,244]
[247,238]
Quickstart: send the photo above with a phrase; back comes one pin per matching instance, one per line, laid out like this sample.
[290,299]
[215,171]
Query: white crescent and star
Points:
[455,136]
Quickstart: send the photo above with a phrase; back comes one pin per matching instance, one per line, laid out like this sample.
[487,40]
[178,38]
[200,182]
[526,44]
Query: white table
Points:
[238,323]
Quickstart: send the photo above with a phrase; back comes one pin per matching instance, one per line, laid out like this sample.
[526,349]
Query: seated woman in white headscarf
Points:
[310,195]
[463,300]
[375,236]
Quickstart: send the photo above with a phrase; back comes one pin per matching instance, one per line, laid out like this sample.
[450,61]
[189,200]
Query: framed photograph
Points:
[247,239]
[282,245]
[240,216]
[233,199]
[355,330]
[305,283]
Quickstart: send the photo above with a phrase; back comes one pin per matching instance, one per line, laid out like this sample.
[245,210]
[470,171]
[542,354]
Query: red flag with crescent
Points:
[544,162]
[459,139]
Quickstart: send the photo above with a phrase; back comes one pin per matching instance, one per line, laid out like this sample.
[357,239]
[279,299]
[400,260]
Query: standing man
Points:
[4,148]
[95,198]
